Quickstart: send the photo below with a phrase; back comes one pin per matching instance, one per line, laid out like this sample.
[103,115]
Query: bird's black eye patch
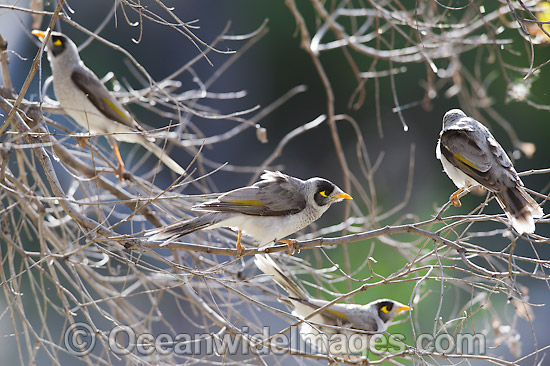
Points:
[58,44]
[323,192]
[384,308]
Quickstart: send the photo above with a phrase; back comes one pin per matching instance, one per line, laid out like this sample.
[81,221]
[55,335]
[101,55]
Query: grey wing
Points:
[469,152]
[468,147]
[504,161]
[479,155]
[499,153]
[284,193]
[278,197]
[368,324]
[101,97]
[363,317]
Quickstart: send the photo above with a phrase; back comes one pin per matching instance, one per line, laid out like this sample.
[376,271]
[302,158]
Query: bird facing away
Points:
[267,211]
[339,329]
[471,156]
[84,97]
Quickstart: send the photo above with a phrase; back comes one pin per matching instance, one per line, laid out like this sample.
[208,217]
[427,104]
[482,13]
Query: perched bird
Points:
[471,156]
[267,211]
[340,329]
[91,104]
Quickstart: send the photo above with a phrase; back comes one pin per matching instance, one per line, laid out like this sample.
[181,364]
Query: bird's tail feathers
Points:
[162,155]
[268,266]
[179,229]
[520,208]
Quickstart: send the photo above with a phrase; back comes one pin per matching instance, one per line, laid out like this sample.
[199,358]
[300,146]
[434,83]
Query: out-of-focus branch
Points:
[30,75]
[74,234]
[4,64]
[44,159]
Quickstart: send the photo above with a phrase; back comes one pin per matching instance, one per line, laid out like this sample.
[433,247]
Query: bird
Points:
[339,329]
[84,97]
[471,156]
[267,211]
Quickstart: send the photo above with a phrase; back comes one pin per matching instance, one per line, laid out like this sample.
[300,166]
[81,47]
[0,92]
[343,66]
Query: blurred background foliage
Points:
[275,64]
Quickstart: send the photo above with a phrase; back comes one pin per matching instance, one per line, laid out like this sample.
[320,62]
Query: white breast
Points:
[76,104]
[337,341]
[266,229]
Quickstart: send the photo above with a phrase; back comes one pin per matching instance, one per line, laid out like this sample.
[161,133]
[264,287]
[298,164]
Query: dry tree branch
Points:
[73,250]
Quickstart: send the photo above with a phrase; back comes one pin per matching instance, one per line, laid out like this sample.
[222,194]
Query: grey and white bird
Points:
[471,156]
[339,329]
[84,97]
[267,211]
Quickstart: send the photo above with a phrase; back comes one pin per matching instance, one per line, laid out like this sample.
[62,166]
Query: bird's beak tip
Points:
[403,308]
[40,34]
[343,195]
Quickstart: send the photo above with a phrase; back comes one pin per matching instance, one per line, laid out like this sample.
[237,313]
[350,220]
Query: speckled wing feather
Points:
[500,155]
[276,194]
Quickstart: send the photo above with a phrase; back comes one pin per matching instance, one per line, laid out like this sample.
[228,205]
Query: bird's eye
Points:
[323,193]
[57,42]
[385,309]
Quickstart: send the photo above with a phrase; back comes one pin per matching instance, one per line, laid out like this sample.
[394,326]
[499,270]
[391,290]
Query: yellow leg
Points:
[454,196]
[120,169]
[81,141]
[239,246]
[290,243]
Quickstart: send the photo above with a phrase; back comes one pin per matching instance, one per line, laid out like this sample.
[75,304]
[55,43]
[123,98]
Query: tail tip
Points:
[537,212]
[160,234]
[154,236]
[523,224]
[526,222]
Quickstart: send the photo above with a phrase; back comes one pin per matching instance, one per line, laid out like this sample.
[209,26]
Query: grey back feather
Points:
[489,164]
[277,194]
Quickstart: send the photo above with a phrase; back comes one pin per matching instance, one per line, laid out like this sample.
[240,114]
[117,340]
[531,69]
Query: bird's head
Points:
[324,192]
[59,46]
[389,309]
[452,116]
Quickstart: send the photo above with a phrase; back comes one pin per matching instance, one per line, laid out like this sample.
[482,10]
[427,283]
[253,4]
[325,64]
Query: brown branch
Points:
[33,70]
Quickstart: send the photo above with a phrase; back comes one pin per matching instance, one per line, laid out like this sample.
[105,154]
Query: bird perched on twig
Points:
[340,329]
[84,97]
[267,211]
[471,156]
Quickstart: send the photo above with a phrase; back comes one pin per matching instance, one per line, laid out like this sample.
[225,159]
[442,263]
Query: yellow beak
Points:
[40,34]
[342,195]
[403,308]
